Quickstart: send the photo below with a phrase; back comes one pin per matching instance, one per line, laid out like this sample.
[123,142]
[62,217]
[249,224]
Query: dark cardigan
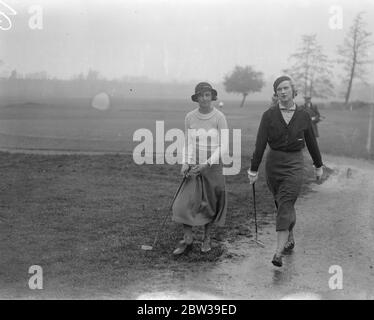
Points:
[289,138]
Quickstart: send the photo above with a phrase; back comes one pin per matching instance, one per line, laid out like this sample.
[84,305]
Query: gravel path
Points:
[335,227]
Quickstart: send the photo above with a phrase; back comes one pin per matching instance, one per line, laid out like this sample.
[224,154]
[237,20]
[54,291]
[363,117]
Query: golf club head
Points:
[259,243]
[146,248]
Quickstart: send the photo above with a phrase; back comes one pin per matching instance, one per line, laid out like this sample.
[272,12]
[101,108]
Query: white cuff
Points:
[252,173]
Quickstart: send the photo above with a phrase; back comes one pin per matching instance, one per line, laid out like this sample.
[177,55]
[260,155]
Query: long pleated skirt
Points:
[202,199]
[284,177]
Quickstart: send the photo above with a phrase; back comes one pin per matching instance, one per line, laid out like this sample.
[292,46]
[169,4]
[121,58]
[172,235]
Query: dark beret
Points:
[279,80]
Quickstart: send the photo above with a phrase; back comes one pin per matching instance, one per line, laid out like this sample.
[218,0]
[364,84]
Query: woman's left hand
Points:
[318,172]
[196,169]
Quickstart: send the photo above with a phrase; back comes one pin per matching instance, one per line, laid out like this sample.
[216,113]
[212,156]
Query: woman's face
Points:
[284,91]
[205,99]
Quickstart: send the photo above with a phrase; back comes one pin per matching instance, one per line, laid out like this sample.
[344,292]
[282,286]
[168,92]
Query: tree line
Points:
[311,68]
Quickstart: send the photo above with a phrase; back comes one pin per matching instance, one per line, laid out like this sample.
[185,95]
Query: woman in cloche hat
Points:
[202,200]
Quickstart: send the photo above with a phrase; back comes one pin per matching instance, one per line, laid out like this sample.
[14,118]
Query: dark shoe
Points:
[277,261]
[182,247]
[288,247]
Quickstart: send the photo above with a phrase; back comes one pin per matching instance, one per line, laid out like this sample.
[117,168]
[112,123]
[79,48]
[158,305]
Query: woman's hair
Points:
[274,100]
[293,87]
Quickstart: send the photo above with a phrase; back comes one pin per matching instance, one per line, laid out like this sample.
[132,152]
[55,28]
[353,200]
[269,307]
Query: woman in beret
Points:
[287,128]
[202,200]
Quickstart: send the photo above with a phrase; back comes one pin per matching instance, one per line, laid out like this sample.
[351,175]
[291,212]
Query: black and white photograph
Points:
[186,150]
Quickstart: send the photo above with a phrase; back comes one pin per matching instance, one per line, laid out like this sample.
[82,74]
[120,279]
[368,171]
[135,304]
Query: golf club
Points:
[147,247]
[254,207]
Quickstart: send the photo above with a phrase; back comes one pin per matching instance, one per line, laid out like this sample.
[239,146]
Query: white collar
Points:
[282,108]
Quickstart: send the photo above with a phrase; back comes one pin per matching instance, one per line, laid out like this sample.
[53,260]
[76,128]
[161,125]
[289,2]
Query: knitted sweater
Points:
[203,135]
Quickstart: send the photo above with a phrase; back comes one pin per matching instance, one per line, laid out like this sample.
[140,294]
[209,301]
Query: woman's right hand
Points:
[252,176]
[185,168]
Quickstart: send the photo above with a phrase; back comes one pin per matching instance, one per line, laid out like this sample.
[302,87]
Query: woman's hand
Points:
[196,169]
[252,176]
[185,168]
[318,172]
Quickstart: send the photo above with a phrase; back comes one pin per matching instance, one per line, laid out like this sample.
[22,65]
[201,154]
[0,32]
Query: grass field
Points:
[72,124]
[83,218]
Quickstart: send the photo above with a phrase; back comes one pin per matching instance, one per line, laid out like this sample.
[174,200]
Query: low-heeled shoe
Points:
[277,261]
[182,247]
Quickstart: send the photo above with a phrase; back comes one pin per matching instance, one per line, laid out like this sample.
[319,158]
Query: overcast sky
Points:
[169,40]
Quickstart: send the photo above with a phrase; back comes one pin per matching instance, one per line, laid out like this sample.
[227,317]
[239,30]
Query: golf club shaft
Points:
[254,206]
[170,208]
[255,212]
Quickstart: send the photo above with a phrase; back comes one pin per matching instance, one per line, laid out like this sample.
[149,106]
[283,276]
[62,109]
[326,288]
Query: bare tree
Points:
[243,80]
[312,70]
[354,53]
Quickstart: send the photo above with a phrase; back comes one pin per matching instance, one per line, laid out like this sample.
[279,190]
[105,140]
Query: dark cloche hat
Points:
[202,87]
